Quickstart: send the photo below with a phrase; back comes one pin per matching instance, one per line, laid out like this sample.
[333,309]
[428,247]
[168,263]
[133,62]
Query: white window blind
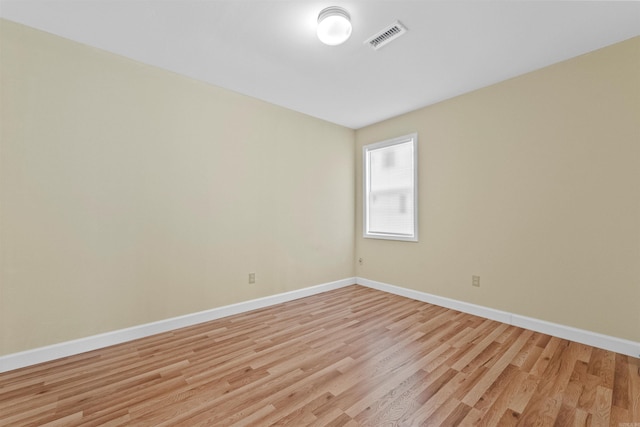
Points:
[390,193]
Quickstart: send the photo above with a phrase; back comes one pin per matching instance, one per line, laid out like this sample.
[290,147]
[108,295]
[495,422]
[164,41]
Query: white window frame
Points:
[413,138]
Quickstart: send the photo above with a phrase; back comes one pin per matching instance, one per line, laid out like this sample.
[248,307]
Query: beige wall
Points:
[534,185]
[129,194]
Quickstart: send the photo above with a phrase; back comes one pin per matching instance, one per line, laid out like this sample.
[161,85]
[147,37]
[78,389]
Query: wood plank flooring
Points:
[349,357]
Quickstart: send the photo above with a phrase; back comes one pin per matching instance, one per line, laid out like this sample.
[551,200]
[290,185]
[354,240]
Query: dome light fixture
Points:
[334,26]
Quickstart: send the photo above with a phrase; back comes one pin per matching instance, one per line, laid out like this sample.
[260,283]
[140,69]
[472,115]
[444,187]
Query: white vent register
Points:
[386,35]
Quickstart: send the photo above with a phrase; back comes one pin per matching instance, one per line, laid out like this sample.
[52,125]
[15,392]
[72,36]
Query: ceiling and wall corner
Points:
[269,49]
[108,248]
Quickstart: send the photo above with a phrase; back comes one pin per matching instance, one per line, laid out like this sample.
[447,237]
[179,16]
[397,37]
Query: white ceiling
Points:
[269,50]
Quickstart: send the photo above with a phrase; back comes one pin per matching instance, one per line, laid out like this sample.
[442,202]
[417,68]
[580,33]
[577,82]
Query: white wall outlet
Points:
[252,277]
[475,281]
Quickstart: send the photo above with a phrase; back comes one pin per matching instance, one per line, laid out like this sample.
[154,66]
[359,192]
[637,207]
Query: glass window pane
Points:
[390,192]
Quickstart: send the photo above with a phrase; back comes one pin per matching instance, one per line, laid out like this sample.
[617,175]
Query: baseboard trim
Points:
[69,348]
[606,342]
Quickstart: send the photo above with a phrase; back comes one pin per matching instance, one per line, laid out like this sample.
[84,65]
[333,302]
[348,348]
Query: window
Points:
[390,189]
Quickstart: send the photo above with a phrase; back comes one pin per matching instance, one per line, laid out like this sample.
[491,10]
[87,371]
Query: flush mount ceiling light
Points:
[334,26]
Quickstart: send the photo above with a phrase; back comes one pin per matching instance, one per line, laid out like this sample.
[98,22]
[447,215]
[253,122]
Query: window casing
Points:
[391,189]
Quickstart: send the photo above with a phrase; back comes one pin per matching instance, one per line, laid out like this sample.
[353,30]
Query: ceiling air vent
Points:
[386,35]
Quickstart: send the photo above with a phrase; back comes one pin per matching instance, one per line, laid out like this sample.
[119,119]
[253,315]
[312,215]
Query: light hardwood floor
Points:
[353,356]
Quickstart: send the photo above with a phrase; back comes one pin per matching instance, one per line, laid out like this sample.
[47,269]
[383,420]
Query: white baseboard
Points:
[56,351]
[69,348]
[606,342]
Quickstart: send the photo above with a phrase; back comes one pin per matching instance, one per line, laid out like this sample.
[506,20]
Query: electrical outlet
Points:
[475,281]
[252,277]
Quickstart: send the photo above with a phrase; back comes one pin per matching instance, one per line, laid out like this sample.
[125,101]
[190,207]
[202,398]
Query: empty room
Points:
[314,213]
